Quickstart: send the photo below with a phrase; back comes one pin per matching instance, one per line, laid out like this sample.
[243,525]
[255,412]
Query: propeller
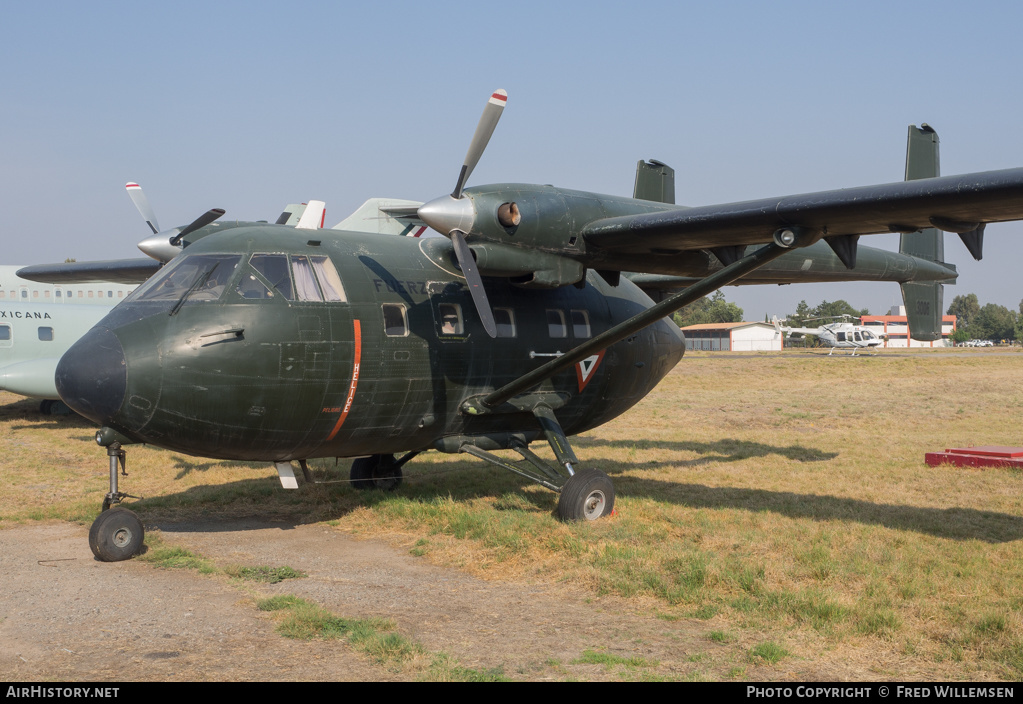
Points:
[164,245]
[453,215]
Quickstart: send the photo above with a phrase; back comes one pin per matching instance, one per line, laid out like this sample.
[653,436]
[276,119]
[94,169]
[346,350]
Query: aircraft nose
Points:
[91,376]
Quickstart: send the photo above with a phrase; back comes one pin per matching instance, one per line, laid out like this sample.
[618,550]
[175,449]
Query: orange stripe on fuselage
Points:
[355,380]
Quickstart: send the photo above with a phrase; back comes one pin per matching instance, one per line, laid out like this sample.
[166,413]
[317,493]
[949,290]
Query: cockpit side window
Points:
[330,281]
[305,279]
[274,268]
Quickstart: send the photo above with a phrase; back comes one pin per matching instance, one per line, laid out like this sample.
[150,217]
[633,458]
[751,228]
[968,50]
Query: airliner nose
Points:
[90,376]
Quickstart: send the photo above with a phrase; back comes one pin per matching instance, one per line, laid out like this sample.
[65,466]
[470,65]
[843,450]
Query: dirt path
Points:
[66,616]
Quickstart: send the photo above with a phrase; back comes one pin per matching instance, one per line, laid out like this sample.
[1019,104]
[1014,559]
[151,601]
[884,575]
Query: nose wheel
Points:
[118,533]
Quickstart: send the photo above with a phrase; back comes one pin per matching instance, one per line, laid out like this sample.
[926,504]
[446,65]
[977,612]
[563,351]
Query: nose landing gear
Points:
[118,533]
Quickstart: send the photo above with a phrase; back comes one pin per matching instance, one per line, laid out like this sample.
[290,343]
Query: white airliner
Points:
[17,290]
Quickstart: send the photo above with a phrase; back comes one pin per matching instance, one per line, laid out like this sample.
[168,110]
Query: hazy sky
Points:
[248,106]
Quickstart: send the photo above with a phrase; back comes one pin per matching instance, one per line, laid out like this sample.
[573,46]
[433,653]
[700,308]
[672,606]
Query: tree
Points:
[994,322]
[836,309]
[965,309]
[709,309]
[1019,323]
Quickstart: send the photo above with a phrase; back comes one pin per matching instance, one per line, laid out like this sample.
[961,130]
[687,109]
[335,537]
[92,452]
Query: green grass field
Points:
[781,499]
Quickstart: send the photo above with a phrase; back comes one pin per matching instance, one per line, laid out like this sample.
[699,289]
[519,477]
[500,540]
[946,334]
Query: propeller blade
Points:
[201,221]
[142,205]
[472,277]
[488,121]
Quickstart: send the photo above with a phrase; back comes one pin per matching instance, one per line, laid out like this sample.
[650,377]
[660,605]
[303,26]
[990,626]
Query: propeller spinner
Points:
[164,245]
[453,215]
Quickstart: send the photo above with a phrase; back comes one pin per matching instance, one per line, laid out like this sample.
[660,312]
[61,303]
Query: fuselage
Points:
[33,338]
[258,345]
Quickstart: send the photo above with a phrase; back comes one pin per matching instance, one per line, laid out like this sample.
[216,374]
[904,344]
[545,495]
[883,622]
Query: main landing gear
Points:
[118,533]
[585,495]
[377,472]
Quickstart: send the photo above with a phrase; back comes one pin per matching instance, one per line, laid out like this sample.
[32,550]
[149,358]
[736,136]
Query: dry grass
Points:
[782,499]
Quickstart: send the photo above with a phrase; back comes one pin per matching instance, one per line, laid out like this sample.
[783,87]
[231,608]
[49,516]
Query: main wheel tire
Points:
[387,475]
[376,472]
[586,496]
[116,535]
[362,472]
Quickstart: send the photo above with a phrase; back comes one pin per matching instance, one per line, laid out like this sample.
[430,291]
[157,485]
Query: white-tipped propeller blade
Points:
[142,205]
[453,215]
[164,245]
[484,130]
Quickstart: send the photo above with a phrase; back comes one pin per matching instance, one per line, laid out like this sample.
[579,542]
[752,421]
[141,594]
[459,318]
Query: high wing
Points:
[961,204]
[118,271]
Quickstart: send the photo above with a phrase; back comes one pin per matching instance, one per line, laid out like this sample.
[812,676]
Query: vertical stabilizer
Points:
[654,181]
[924,302]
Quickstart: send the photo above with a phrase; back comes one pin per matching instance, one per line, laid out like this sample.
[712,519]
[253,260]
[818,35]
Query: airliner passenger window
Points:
[5,332]
[46,334]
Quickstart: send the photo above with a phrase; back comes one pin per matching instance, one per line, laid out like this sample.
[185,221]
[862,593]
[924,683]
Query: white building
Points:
[734,337]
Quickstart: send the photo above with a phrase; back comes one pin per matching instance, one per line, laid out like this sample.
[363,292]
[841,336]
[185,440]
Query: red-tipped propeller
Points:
[453,215]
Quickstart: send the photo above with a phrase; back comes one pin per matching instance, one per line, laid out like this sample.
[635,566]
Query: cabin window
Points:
[395,320]
[3,294]
[330,281]
[90,294]
[840,336]
[580,324]
[505,321]
[46,334]
[451,319]
[24,293]
[5,333]
[274,268]
[556,323]
[46,294]
[35,294]
[110,294]
[57,293]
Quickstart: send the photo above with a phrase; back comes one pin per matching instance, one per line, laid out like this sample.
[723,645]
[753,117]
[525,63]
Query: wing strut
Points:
[651,315]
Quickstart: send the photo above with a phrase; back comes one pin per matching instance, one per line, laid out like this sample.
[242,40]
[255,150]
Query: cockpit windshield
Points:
[199,277]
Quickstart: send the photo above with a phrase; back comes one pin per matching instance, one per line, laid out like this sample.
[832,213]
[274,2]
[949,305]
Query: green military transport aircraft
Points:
[261,343]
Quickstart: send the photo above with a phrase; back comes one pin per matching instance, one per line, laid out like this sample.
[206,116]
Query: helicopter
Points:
[838,335]
[515,326]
